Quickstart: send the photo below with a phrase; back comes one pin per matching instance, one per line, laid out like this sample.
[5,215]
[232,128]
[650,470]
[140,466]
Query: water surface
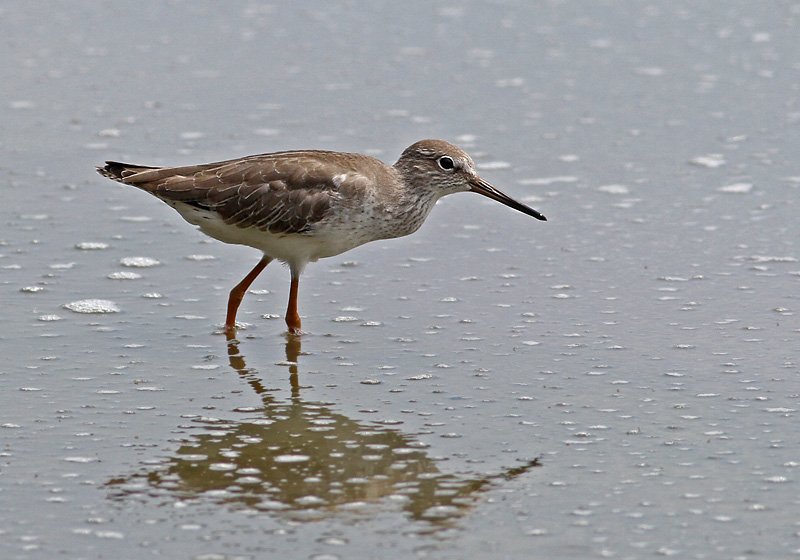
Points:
[620,381]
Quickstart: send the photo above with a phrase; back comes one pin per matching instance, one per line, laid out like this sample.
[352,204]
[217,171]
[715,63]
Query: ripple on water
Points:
[736,188]
[138,262]
[200,257]
[91,246]
[92,306]
[291,458]
[709,160]
[614,189]
[124,275]
[49,318]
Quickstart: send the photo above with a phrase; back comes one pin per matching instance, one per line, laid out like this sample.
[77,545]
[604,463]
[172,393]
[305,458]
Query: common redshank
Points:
[301,206]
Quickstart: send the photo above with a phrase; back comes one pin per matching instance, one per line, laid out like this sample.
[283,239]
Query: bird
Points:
[303,205]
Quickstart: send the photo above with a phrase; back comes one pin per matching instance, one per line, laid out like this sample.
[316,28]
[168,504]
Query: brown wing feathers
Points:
[272,196]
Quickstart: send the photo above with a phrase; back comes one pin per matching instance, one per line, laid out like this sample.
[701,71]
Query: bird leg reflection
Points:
[292,352]
[237,362]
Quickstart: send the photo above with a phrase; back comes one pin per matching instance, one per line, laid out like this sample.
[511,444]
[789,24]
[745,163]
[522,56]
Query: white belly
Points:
[295,249]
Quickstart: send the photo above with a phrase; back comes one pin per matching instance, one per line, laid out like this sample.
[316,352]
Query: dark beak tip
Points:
[487,190]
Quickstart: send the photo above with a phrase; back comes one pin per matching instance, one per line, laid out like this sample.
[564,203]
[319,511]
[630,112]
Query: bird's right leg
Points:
[241,288]
[292,317]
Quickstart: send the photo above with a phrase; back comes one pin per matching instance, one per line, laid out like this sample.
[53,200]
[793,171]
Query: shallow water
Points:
[620,381]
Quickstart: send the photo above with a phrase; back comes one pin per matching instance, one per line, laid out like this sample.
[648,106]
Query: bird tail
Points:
[120,171]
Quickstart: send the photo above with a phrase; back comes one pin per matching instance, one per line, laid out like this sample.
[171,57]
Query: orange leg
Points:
[292,318]
[241,288]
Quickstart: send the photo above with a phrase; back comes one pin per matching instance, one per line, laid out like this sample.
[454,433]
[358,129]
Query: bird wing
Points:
[282,193]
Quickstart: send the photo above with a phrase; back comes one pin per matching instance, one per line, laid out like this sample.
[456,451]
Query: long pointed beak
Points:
[482,187]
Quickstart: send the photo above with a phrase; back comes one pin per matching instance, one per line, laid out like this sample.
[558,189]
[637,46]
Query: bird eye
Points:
[446,163]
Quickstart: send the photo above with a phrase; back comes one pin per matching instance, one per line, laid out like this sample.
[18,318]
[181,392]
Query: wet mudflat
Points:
[620,381]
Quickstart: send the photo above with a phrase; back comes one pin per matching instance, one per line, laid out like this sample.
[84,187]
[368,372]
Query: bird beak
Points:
[482,187]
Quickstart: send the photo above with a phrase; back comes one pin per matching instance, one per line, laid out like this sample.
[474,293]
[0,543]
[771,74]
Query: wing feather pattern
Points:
[282,193]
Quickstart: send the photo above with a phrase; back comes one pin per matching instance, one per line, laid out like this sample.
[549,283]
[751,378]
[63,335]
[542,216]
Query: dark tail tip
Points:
[121,171]
[113,170]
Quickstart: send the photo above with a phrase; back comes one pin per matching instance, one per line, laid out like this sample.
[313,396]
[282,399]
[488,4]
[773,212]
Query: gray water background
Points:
[620,381]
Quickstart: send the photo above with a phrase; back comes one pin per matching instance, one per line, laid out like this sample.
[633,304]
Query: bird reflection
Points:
[237,362]
[306,461]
